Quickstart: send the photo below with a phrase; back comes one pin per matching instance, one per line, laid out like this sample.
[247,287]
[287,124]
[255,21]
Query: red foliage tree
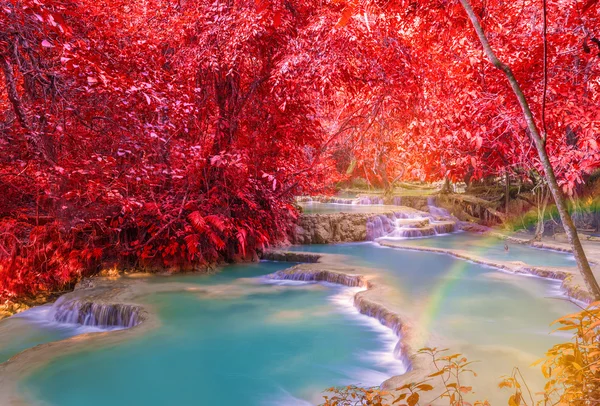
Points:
[147,134]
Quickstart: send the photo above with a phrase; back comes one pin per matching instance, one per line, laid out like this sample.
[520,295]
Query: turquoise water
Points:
[493,248]
[33,327]
[326,208]
[29,335]
[274,344]
[491,316]
[250,343]
[226,274]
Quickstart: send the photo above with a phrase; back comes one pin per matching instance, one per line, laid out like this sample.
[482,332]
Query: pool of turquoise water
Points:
[33,327]
[500,319]
[282,346]
[494,248]
[327,208]
[29,335]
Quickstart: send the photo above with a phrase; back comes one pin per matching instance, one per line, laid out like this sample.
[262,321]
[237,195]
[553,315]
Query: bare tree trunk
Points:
[540,144]
[541,204]
[506,192]
[447,188]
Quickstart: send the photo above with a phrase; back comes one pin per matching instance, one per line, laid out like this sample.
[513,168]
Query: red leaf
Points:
[277,19]
[216,222]
[346,15]
[197,221]
[588,5]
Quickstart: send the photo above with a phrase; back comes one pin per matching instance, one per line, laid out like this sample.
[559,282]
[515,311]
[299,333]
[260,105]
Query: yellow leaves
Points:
[572,371]
[571,327]
[451,357]
[572,367]
[413,399]
[514,400]
[536,363]
[438,373]
[505,384]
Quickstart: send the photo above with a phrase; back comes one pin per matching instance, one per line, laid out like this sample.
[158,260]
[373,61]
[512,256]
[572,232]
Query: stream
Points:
[284,343]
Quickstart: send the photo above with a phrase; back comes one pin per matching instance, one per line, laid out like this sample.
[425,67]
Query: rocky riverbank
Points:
[400,221]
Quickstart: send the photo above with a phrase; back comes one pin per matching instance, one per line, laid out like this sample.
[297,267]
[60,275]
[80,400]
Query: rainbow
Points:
[441,292]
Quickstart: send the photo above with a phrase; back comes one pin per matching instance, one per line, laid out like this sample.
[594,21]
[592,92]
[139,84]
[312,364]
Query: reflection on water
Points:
[280,346]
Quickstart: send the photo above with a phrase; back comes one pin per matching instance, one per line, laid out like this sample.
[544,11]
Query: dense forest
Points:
[175,134]
[167,136]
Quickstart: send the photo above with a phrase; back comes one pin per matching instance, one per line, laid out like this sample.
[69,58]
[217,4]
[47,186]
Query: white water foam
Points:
[344,300]
[43,316]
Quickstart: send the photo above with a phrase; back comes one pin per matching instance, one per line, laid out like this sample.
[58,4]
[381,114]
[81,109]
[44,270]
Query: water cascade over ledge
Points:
[104,315]
[364,305]
[406,225]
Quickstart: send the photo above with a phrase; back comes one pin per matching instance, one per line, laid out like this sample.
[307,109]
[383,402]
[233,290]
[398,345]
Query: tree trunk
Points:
[447,188]
[565,217]
[506,192]
[542,204]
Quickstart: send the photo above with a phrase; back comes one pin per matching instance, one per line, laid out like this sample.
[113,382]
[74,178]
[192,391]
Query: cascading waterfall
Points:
[370,200]
[379,226]
[437,211]
[294,274]
[340,200]
[96,314]
[407,225]
[361,303]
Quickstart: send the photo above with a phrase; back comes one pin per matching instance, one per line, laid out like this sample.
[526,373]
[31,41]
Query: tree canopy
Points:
[163,133]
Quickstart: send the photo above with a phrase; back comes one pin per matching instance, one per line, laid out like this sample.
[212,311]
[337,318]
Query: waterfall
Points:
[362,200]
[437,211]
[379,226]
[442,220]
[96,314]
[410,225]
[370,200]
[364,305]
[340,200]
[397,200]
[339,278]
